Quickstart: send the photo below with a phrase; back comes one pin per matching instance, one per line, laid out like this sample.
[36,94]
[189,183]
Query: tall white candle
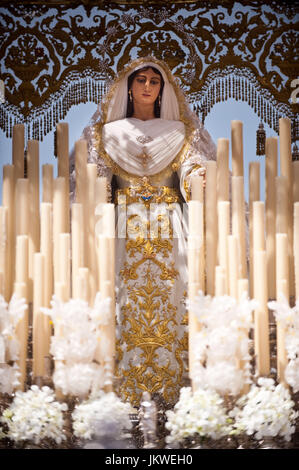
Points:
[237,148]
[62,133]
[223,169]
[296,247]
[282,260]
[64,261]
[254,195]
[286,170]
[77,245]
[8,200]
[33,209]
[18,138]
[193,329]
[3,244]
[91,245]
[46,248]
[22,207]
[22,255]
[270,202]
[220,281]
[59,220]
[196,183]
[295,170]
[233,265]
[282,359]
[39,343]
[47,183]
[223,232]
[21,291]
[258,231]
[238,221]
[261,315]
[211,225]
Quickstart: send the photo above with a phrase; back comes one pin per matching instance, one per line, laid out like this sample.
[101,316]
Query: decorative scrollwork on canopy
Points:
[57,54]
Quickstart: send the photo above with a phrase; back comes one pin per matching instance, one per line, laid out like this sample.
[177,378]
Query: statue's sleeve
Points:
[93,157]
[202,149]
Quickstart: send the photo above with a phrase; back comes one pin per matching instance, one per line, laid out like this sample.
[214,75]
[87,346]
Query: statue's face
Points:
[146,87]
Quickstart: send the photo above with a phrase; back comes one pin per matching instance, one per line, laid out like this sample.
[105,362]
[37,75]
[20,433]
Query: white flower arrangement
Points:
[201,413]
[77,343]
[266,411]
[10,315]
[289,319]
[222,339]
[35,415]
[94,415]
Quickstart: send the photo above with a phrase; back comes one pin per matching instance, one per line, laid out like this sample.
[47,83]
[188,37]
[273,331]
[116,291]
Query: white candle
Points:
[223,169]
[47,183]
[108,331]
[62,134]
[22,255]
[59,220]
[261,317]
[22,206]
[64,261]
[270,202]
[46,248]
[21,291]
[282,260]
[33,208]
[223,232]
[83,284]
[295,170]
[91,246]
[18,138]
[8,200]
[254,195]
[296,247]
[211,225]
[238,221]
[282,359]
[40,347]
[3,244]
[77,245]
[193,329]
[196,183]
[101,190]
[258,210]
[233,265]
[220,281]
[286,170]
[281,185]
[237,148]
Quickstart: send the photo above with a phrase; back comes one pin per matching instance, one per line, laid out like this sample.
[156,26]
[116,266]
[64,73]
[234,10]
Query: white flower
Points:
[78,344]
[267,410]
[201,412]
[10,315]
[223,337]
[289,319]
[92,416]
[35,415]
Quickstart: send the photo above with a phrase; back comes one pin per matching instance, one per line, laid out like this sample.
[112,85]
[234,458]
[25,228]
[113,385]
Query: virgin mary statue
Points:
[148,144]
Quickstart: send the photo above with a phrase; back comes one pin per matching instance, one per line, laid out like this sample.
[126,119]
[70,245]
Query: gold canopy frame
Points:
[57,54]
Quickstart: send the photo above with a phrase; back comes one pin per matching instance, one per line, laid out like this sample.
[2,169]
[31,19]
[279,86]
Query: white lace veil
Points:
[118,104]
[174,106]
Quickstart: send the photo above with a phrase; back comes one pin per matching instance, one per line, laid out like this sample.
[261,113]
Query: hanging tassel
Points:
[261,140]
[295,153]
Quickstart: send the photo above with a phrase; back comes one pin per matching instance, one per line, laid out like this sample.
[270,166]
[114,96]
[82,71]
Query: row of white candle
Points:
[218,257]
[50,247]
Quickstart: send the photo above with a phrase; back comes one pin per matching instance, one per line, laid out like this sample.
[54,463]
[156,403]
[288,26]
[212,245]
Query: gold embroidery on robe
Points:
[150,349]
